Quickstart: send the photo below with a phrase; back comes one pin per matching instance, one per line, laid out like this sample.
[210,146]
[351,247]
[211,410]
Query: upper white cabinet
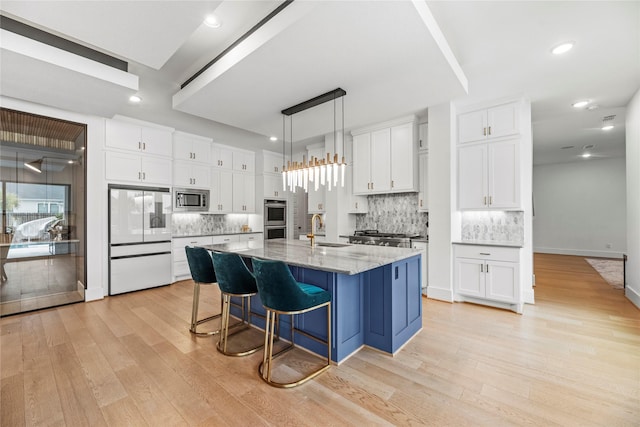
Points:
[189,174]
[222,156]
[132,137]
[244,161]
[384,160]
[269,164]
[244,188]
[423,195]
[489,175]
[423,143]
[191,148]
[221,191]
[136,168]
[272,186]
[489,123]
[272,162]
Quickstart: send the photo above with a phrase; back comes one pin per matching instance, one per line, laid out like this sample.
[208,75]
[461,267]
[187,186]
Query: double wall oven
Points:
[275,219]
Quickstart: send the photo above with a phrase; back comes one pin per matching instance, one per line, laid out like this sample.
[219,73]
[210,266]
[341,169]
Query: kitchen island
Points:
[376,292]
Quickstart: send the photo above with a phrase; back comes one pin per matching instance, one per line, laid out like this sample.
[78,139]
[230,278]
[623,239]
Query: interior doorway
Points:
[42,195]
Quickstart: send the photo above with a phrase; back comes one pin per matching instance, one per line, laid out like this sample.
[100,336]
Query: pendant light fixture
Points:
[317,171]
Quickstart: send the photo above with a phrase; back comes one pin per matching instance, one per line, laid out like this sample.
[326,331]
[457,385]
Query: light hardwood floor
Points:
[571,359]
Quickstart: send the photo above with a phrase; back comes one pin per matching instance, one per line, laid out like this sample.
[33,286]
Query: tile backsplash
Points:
[493,226]
[394,213]
[194,224]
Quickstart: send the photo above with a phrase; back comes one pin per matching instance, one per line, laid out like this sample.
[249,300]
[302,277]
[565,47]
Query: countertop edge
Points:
[485,243]
[186,236]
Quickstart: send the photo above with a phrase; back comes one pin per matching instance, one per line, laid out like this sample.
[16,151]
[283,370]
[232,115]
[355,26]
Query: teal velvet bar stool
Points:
[202,272]
[235,280]
[282,294]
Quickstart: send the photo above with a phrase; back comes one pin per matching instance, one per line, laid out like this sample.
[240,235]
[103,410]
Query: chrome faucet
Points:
[312,236]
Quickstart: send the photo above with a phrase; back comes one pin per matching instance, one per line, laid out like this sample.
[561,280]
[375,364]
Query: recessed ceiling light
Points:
[212,21]
[135,99]
[580,104]
[562,48]
[586,155]
[273,139]
[607,127]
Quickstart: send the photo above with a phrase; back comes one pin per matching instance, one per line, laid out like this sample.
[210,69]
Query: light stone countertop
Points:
[349,259]
[488,243]
[181,236]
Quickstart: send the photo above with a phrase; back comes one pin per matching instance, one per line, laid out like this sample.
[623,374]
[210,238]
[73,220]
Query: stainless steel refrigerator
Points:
[139,238]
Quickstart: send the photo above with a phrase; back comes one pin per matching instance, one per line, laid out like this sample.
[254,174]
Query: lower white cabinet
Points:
[250,237]
[180,265]
[424,247]
[488,275]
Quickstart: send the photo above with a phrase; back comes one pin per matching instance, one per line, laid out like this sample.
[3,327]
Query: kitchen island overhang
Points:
[376,293]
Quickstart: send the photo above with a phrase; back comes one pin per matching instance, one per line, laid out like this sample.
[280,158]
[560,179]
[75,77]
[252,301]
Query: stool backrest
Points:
[233,275]
[277,287]
[200,264]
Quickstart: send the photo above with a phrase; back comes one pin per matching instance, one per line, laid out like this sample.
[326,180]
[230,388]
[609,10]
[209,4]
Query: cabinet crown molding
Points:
[182,134]
[138,122]
[383,125]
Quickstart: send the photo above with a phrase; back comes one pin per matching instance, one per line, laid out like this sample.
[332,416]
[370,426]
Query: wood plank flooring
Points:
[573,359]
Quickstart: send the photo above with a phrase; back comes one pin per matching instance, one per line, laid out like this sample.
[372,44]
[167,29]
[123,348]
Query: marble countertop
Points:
[349,259]
[488,243]
[180,236]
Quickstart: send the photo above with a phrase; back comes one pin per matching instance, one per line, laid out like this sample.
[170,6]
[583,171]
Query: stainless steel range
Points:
[374,237]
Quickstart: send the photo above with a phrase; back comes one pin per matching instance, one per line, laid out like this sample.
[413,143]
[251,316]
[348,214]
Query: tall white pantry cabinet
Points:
[493,173]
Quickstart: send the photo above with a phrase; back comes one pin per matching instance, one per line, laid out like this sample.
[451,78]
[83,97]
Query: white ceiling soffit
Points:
[46,75]
[160,27]
[390,57]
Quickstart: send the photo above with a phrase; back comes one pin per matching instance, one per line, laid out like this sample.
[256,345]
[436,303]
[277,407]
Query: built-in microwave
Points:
[275,213]
[190,200]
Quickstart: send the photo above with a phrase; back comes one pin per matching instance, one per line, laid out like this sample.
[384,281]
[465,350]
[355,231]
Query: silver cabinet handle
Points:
[485,200]
[489,130]
[487,268]
[481,268]
[144,146]
[485,253]
[144,175]
[139,145]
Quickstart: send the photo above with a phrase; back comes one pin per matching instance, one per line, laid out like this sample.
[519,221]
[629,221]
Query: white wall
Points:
[580,208]
[441,190]
[633,199]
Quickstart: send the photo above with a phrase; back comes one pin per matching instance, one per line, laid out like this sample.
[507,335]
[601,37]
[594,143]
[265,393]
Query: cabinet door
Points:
[156,141]
[504,174]
[273,187]
[122,167]
[423,196]
[362,163]
[472,177]
[243,192]
[201,149]
[156,170]
[472,126]
[249,194]
[222,157]
[402,158]
[243,162]
[182,147]
[380,164]
[182,174]
[503,120]
[225,192]
[470,278]
[122,135]
[200,176]
[272,162]
[502,281]
[423,143]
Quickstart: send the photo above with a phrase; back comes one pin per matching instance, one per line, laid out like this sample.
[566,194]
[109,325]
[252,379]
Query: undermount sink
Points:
[332,245]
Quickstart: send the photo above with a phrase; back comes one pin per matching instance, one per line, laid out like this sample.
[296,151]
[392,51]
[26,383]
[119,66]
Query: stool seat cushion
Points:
[280,291]
[233,275]
[200,264]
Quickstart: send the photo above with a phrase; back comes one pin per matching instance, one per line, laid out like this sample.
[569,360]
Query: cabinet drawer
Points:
[487,252]
[181,268]
[216,240]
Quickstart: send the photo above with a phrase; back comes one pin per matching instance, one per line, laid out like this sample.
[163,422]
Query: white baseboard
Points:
[439,294]
[529,296]
[579,252]
[632,295]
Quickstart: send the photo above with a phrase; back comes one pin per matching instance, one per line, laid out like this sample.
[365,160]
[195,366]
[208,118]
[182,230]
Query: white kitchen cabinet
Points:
[250,237]
[423,195]
[229,238]
[191,175]
[489,123]
[244,193]
[424,247]
[357,204]
[132,137]
[136,168]
[191,148]
[244,161]
[489,175]
[488,274]
[272,162]
[222,156]
[181,269]
[221,191]
[423,143]
[385,161]
[272,186]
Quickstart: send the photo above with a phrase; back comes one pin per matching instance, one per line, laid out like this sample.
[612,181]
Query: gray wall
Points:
[633,199]
[580,208]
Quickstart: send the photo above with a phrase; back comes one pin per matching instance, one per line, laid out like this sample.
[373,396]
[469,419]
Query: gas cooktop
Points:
[374,237]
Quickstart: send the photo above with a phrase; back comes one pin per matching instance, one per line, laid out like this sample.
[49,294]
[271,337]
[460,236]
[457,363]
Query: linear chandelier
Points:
[317,171]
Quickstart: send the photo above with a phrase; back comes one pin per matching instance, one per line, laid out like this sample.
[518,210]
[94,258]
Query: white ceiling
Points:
[382,53]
